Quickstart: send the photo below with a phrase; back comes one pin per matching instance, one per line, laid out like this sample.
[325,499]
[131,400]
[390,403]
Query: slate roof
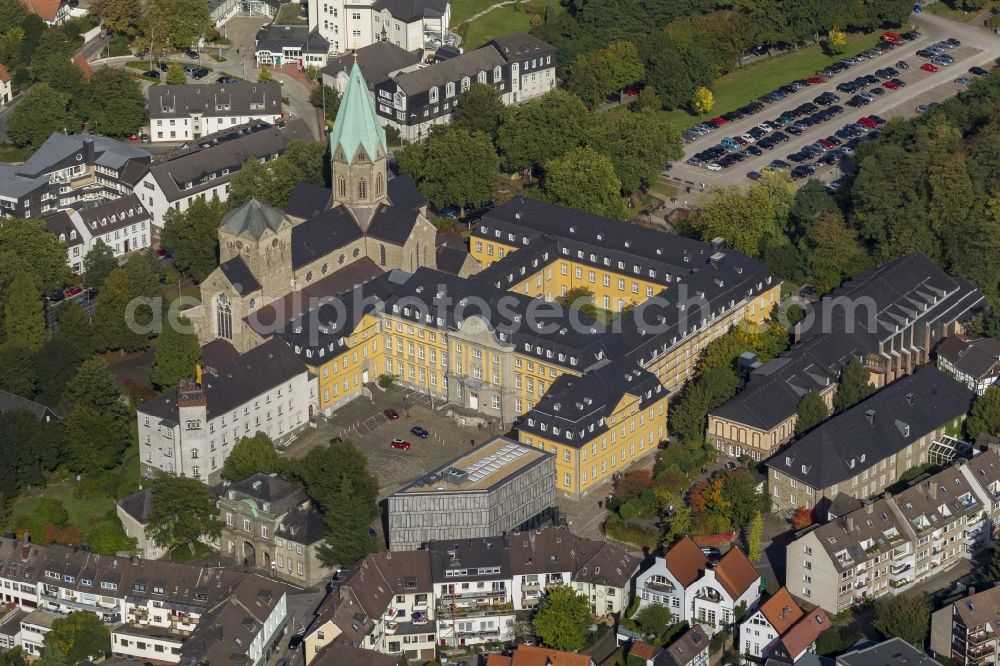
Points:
[275,38]
[894,651]
[470,555]
[518,45]
[253,218]
[411,10]
[322,234]
[232,384]
[138,505]
[240,275]
[452,252]
[102,150]
[267,488]
[849,442]
[303,526]
[470,63]
[307,200]
[556,549]
[115,214]
[357,125]
[977,358]
[242,98]
[688,646]
[10,402]
[377,61]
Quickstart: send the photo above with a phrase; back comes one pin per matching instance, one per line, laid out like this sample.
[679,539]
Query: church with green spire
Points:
[326,240]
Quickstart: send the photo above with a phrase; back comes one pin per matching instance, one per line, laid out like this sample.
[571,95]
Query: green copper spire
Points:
[357,124]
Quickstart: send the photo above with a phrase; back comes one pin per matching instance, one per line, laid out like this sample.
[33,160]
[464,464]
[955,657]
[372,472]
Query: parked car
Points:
[72,291]
[152,74]
[419,432]
[191,53]
[754,175]
[199,73]
[963,81]
[391,414]
[55,296]
[145,138]
[978,71]
[928,67]
[891,85]
[902,64]
[226,79]
[401,444]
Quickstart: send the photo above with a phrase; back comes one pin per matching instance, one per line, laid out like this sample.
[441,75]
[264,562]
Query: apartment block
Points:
[894,542]
[497,487]
[868,447]
[965,631]
[192,110]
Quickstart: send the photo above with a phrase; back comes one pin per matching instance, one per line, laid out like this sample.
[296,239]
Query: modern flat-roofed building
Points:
[892,651]
[496,487]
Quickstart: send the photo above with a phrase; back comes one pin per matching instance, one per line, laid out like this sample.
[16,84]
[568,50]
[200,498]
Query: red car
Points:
[892,38]
[867,122]
[829,145]
[719,121]
[815,80]
[928,67]
[73,291]
[891,85]
[391,414]
[401,444]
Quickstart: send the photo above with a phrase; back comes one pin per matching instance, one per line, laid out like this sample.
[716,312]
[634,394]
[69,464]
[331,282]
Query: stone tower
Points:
[262,237]
[358,152]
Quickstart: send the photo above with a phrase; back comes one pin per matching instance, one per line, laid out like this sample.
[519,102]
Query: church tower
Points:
[358,152]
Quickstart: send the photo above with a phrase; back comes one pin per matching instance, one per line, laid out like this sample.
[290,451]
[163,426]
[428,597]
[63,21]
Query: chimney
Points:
[870,507]
[932,489]
[850,523]
[870,415]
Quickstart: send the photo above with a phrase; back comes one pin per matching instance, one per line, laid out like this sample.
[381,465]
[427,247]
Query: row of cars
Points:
[889,41]
[828,151]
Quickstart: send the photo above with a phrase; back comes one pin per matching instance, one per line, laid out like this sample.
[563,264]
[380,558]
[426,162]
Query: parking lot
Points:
[920,88]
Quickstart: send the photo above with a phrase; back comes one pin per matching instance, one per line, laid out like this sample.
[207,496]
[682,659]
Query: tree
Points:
[748,218]
[836,40]
[55,364]
[98,264]
[21,239]
[563,622]
[802,518]
[93,442]
[60,72]
[175,74]
[183,511]
[459,168]
[17,373]
[680,524]
[13,657]
[541,130]
[143,271]
[647,101]
[265,75]
[993,573]
[623,63]
[12,12]
[192,237]
[252,455]
[74,329]
[177,353]
[589,78]
[703,101]
[113,103]
[23,316]
[854,385]
[178,22]
[114,322]
[984,418]
[79,636]
[270,183]
[347,522]
[121,16]
[689,412]
[321,470]
[308,159]
[655,619]
[905,616]
[41,112]
[94,385]
[584,179]
[753,540]
[834,252]
[811,412]
[29,447]
[639,145]
[325,95]
[479,109]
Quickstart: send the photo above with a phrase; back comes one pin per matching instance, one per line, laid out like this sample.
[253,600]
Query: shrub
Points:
[385,381]
[622,530]
[50,510]
[104,484]
[108,536]
[802,518]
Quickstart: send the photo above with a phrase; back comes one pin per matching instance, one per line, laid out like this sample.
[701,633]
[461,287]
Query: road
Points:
[979,47]
[239,61]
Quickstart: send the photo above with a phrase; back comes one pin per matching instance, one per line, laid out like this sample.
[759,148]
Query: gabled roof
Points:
[338,654]
[377,61]
[43,9]
[357,125]
[685,561]
[239,275]
[805,632]
[411,10]
[534,655]
[215,99]
[736,573]
[4,74]
[138,505]
[10,402]
[684,650]
[781,610]
[978,358]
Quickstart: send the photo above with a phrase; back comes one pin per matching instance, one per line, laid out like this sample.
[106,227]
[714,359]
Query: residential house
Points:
[205,169]
[867,448]
[520,66]
[123,224]
[496,487]
[190,430]
[689,649]
[6,86]
[271,524]
[888,317]
[645,654]
[598,570]
[535,655]
[410,25]
[34,626]
[336,654]
[892,651]
[897,541]
[10,627]
[278,45]
[71,171]
[965,631]
[134,512]
[53,12]
[975,363]
[472,590]
[191,111]
[780,629]
[11,402]
[683,580]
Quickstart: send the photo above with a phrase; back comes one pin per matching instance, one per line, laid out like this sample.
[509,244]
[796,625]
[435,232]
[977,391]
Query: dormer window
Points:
[466,82]
[496,74]
[433,94]
[482,77]
[450,89]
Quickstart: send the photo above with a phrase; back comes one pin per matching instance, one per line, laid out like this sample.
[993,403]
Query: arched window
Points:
[224,317]
[342,186]
[381,254]
[362,189]
[378,185]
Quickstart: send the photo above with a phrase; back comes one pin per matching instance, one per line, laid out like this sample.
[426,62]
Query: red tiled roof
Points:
[781,611]
[644,650]
[44,9]
[685,561]
[735,572]
[805,632]
[4,74]
[531,655]
[498,660]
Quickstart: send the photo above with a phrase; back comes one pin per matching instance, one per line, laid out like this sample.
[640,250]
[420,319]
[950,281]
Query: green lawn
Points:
[746,84]
[83,513]
[9,153]
[501,21]
[463,9]
[943,9]
[290,14]
[665,188]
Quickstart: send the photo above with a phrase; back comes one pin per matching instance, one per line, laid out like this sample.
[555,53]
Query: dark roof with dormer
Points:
[411,10]
[243,98]
[874,429]
[977,358]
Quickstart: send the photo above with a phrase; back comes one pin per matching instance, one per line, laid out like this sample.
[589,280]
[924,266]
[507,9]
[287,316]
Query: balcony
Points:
[898,583]
[473,594]
[657,586]
[898,570]
[980,651]
[980,637]
[973,535]
[85,180]
[447,612]
[708,594]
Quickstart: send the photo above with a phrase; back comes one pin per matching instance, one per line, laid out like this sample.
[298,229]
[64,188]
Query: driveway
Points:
[979,47]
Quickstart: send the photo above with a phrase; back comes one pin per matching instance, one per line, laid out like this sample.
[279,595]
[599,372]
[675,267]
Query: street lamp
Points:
[244,62]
